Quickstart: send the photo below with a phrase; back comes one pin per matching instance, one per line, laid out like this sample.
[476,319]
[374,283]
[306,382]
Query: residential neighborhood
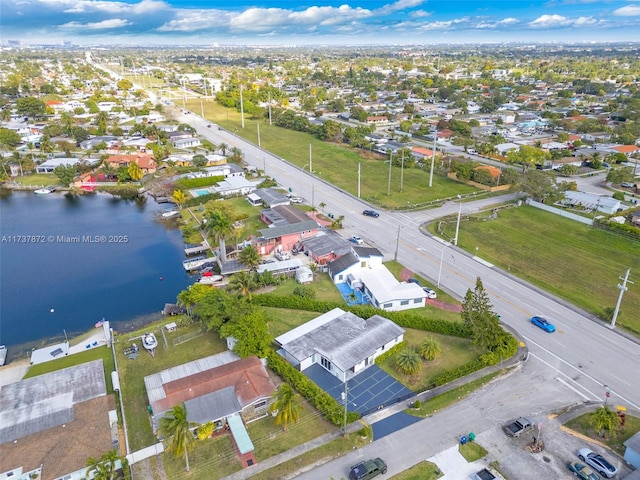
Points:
[331,209]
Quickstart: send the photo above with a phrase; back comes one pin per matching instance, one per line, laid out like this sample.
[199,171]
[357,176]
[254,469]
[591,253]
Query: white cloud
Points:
[398,6]
[628,11]
[555,21]
[112,23]
[420,14]
[106,6]
[508,21]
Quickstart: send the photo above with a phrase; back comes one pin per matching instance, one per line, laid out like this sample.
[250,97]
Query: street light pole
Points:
[440,269]
[358,180]
[345,397]
[623,288]
[433,158]
[389,183]
[258,125]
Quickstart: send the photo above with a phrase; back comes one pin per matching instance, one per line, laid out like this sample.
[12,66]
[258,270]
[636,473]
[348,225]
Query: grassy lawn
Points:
[132,372]
[322,285]
[285,319]
[37,179]
[294,147]
[270,439]
[212,458]
[567,258]
[615,440]
[318,456]
[446,399]
[455,352]
[420,471]
[472,451]
[103,353]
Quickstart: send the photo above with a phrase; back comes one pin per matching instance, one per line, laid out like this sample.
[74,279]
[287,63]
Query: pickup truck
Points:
[517,427]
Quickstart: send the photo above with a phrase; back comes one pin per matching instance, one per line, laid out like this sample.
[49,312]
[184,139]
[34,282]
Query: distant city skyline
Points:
[325,22]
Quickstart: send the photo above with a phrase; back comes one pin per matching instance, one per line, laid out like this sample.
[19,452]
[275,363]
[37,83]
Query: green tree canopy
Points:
[30,106]
[9,138]
[251,334]
[478,314]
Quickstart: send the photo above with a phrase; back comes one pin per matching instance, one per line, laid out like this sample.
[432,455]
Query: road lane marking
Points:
[572,388]
[567,376]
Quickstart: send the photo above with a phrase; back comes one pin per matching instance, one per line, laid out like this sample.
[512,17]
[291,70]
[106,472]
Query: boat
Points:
[170,214]
[45,190]
[210,279]
[3,354]
[149,342]
[197,263]
[100,323]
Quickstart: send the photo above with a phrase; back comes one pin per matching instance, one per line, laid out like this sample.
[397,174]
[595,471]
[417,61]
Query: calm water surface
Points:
[131,267]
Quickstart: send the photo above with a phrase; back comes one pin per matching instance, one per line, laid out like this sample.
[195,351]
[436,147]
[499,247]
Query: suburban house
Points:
[146,162]
[592,201]
[632,451]
[325,247]
[108,140]
[281,214]
[221,388]
[559,162]
[186,142]
[50,424]
[50,165]
[285,236]
[271,197]
[362,270]
[341,342]
[235,186]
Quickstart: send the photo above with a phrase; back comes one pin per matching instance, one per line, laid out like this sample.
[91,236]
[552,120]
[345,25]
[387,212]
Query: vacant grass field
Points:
[567,258]
[37,179]
[284,319]
[211,458]
[322,285]
[455,352]
[294,147]
[132,372]
[615,440]
[472,451]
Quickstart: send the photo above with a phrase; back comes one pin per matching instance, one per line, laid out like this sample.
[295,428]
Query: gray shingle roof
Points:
[325,242]
[345,339]
[275,232]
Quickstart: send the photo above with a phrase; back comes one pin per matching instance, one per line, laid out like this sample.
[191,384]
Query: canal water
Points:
[67,261]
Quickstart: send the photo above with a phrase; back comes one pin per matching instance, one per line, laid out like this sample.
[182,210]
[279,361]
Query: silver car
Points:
[597,462]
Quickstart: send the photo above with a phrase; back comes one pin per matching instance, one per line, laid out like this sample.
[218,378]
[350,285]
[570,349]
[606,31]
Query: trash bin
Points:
[149,409]
[463,440]
[472,436]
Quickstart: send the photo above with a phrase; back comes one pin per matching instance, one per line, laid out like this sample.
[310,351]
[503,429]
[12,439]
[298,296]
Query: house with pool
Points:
[361,274]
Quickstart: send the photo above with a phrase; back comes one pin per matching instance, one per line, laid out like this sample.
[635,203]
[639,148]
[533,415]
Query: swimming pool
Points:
[200,192]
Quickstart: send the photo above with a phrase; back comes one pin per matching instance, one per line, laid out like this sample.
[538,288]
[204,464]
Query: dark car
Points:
[414,280]
[582,471]
[597,462]
[368,469]
[371,213]
[543,323]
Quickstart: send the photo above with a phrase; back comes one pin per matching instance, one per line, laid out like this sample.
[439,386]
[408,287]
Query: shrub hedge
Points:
[391,351]
[325,403]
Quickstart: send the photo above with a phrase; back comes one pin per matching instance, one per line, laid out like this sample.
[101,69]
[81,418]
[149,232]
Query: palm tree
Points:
[104,468]
[135,172]
[408,361]
[430,349]
[242,282]
[322,205]
[221,227]
[178,197]
[177,428]
[604,420]
[250,257]
[223,148]
[286,404]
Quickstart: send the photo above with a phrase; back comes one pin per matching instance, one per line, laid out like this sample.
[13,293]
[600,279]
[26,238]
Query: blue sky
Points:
[342,22]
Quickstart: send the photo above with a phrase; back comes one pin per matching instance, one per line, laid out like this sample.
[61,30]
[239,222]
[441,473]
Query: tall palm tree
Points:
[287,404]
[430,349]
[135,172]
[104,468]
[243,282]
[408,361]
[250,257]
[221,227]
[177,428]
[223,148]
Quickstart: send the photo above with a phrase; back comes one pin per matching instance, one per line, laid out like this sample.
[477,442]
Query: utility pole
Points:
[395,256]
[623,288]
[455,240]
[241,107]
[402,171]
[345,397]
[201,109]
[258,125]
[269,106]
[310,160]
[358,180]
[389,183]
[433,158]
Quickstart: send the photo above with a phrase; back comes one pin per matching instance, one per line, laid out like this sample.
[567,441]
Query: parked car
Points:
[281,255]
[543,323]
[626,184]
[414,280]
[430,292]
[371,213]
[356,239]
[368,469]
[582,471]
[296,200]
[597,462]
[518,427]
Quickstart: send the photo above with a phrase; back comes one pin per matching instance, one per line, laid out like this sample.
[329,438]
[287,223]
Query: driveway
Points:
[368,391]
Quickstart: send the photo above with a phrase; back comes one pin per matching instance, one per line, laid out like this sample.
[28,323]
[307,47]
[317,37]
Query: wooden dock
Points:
[202,248]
